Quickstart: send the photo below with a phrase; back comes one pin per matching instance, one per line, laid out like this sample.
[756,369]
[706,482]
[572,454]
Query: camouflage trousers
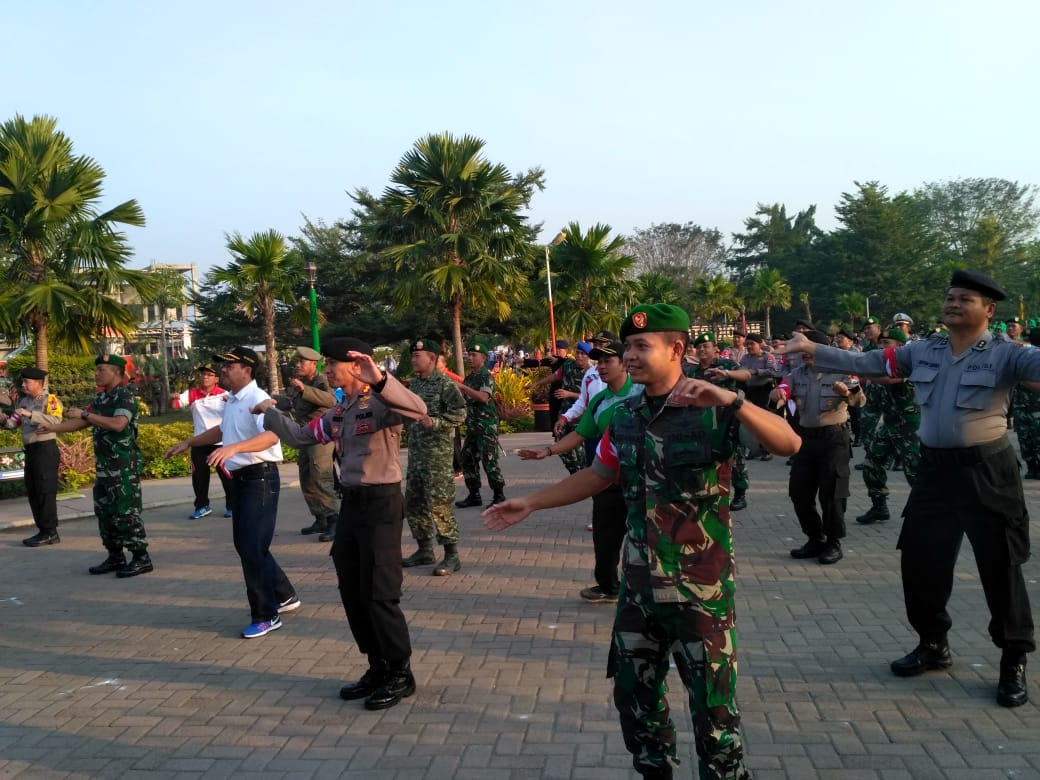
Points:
[316,481]
[117,504]
[740,472]
[868,423]
[480,448]
[574,460]
[1027,426]
[646,635]
[429,502]
[889,446]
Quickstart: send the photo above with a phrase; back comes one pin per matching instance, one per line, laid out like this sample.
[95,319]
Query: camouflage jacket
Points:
[895,404]
[446,409]
[481,415]
[674,469]
[696,371]
[115,452]
[570,379]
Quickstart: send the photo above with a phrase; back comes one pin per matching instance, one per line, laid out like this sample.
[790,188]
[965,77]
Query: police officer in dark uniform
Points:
[365,428]
[821,466]
[968,482]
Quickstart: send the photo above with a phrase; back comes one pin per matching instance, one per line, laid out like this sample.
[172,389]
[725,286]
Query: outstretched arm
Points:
[575,488]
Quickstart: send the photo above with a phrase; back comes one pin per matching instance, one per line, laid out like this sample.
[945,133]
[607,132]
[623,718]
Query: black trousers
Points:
[821,470]
[609,515]
[367,556]
[200,477]
[41,483]
[974,492]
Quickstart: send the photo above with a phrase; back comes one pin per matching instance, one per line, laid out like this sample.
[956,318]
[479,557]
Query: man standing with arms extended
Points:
[207,408]
[430,482]
[365,428]
[307,398]
[36,406]
[968,483]
[251,455]
[670,449]
[112,418]
[480,447]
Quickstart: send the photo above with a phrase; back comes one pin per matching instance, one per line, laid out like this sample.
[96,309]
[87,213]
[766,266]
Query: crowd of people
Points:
[658,427]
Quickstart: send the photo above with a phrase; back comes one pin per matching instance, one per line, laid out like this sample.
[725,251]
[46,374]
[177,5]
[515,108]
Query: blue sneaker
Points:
[201,512]
[227,513]
[255,630]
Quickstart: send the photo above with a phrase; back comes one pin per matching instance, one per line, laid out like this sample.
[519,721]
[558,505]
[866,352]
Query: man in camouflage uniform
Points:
[868,418]
[1025,411]
[307,398]
[430,481]
[670,447]
[894,439]
[480,446]
[112,416]
[569,374]
[712,367]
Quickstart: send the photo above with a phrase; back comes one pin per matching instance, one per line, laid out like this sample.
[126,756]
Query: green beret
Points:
[896,334]
[704,338]
[655,318]
[871,321]
[110,360]
[477,346]
[426,345]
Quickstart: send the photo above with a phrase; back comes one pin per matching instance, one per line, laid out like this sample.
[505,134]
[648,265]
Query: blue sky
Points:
[242,116]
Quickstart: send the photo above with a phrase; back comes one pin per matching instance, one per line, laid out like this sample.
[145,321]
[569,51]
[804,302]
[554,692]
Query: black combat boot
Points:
[498,496]
[877,513]
[397,684]
[473,499]
[140,564]
[926,657]
[451,562]
[1011,691]
[1033,471]
[115,561]
[739,500]
[369,683]
[421,557]
[329,534]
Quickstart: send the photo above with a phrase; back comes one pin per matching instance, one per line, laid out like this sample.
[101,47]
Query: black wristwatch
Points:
[737,402]
[84,414]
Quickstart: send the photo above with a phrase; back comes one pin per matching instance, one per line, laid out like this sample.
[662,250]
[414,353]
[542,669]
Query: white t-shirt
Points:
[239,424]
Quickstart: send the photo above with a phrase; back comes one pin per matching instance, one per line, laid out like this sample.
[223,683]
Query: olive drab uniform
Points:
[570,377]
[480,447]
[430,481]
[677,590]
[1025,411]
[117,490]
[894,438]
[317,480]
[694,371]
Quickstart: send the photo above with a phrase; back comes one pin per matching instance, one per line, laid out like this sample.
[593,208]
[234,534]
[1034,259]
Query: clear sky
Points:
[226,116]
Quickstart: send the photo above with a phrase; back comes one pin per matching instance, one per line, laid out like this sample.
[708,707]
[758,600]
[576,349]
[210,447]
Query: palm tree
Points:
[591,284]
[715,297]
[852,305]
[263,274]
[64,259]
[455,230]
[658,287]
[768,289]
[803,297]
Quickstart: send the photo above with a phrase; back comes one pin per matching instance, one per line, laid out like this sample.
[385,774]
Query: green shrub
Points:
[154,440]
[517,425]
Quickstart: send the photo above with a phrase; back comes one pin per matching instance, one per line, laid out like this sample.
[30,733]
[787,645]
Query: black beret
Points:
[755,338]
[844,332]
[32,372]
[979,282]
[337,348]
[805,324]
[817,336]
[426,345]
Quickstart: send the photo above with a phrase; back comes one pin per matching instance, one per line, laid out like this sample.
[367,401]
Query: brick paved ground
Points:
[101,677]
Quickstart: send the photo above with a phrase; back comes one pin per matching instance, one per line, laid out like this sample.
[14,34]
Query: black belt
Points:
[255,470]
[822,432]
[363,492]
[963,456]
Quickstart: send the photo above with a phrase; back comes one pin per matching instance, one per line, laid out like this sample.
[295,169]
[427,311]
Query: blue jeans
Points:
[254,509]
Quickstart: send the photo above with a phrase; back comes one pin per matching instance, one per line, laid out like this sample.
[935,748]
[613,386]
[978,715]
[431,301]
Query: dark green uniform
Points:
[1025,411]
[430,480]
[117,490]
[677,590]
[894,437]
[480,446]
[570,378]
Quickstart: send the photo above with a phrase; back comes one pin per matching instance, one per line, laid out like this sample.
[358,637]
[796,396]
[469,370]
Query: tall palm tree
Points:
[263,273]
[658,287]
[768,289]
[852,305]
[456,229]
[591,284]
[715,297]
[63,258]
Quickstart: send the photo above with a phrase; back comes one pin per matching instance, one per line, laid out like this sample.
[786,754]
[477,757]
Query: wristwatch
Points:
[737,402]
[84,414]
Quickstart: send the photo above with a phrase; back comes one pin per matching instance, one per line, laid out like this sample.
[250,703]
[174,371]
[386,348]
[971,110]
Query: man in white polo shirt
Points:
[251,455]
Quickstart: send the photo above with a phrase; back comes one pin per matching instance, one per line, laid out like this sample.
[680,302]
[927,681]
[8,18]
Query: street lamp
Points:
[560,238]
[312,277]
[872,295]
